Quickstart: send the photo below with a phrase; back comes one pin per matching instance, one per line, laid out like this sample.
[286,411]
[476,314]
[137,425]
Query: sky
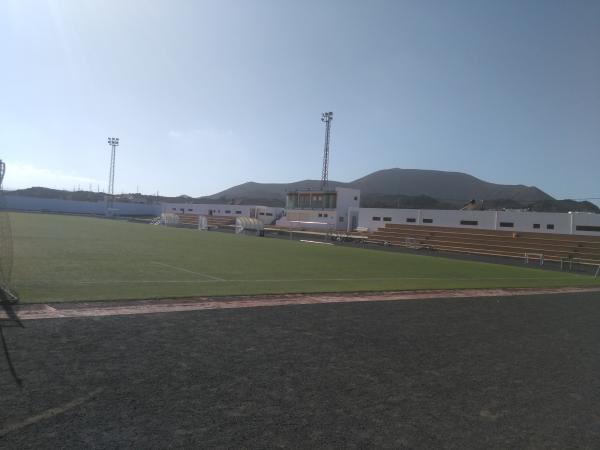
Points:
[205,95]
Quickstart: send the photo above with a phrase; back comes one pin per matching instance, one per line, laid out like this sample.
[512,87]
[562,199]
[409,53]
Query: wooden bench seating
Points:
[556,247]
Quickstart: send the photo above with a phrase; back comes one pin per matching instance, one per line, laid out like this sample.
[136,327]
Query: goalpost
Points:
[299,226]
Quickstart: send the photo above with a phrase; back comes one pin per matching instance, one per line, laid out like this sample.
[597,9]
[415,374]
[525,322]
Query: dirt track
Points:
[128,307]
[497,372]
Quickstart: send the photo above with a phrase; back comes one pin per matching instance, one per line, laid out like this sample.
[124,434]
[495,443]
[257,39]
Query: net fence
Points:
[6,245]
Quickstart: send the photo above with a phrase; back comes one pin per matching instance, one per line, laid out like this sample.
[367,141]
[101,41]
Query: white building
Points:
[265,214]
[321,209]
[339,210]
[521,221]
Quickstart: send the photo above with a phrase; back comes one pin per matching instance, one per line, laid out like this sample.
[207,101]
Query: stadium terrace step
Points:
[213,221]
[220,221]
[487,242]
[528,244]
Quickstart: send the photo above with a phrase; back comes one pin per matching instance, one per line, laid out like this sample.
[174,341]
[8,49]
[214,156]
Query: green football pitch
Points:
[68,258]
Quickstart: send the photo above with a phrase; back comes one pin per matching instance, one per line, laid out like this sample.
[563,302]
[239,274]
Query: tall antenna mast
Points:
[113,142]
[327,117]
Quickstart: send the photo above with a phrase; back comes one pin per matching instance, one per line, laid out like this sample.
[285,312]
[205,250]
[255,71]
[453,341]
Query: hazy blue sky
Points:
[208,94]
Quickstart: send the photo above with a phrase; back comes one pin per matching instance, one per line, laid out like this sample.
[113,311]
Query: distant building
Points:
[322,210]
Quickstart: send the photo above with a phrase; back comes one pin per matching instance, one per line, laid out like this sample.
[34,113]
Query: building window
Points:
[325,215]
[536,226]
[550,226]
[376,219]
[355,198]
[469,222]
[320,215]
[228,212]
[411,220]
[341,219]
[238,212]
[587,228]
[507,224]
[427,220]
[269,214]
[261,214]
[190,209]
[174,209]
[387,219]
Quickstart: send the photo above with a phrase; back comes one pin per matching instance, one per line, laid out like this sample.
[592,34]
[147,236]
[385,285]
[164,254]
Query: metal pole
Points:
[327,118]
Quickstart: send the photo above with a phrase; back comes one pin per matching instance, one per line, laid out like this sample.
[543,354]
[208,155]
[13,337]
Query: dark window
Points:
[411,219]
[261,214]
[355,198]
[387,219]
[228,212]
[376,219]
[320,215]
[341,219]
[174,209]
[550,226]
[427,220]
[536,226]
[469,222]
[238,212]
[190,209]
[269,214]
[507,224]
[587,228]
[324,215]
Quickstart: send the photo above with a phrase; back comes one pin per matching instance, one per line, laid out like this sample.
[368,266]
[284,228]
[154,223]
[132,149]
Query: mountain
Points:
[452,187]
[270,190]
[390,188]
[445,186]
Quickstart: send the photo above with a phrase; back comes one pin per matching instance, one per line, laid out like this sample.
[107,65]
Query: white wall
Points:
[346,198]
[22,203]
[265,214]
[564,223]
[586,219]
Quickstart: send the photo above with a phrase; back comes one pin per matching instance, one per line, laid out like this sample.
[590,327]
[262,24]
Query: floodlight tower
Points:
[326,117]
[2,172]
[113,142]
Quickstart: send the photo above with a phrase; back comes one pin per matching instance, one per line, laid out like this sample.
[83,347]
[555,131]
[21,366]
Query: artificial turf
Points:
[492,373]
[68,258]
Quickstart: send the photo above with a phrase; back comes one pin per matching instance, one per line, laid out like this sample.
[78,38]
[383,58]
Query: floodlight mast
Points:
[113,142]
[326,117]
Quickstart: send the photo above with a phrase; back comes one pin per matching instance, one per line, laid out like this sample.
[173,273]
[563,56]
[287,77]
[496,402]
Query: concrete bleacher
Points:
[553,247]
[191,220]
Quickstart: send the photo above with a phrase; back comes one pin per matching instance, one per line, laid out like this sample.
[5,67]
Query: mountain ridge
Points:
[442,185]
[387,188]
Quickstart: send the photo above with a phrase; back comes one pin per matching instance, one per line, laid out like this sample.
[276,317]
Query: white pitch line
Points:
[188,271]
[49,413]
[287,280]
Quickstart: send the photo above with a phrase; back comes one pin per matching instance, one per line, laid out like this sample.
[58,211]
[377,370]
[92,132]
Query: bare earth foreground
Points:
[494,369]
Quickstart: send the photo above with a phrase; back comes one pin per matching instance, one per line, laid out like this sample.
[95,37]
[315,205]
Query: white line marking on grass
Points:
[288,280]
[188,271]
[49,413]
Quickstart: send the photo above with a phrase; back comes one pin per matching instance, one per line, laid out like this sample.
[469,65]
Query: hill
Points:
[389,188]
[451,187]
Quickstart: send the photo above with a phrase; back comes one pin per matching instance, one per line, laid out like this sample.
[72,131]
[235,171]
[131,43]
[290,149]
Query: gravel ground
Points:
[510,372]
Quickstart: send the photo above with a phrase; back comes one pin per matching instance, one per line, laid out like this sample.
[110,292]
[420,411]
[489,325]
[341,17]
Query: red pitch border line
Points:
[129,307]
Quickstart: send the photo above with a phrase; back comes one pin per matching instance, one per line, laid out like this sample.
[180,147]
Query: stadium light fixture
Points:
[113,142]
